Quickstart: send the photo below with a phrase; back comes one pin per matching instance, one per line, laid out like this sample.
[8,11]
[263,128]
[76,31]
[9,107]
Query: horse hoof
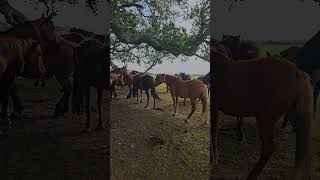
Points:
[86,130]
[99,127]
[173,114]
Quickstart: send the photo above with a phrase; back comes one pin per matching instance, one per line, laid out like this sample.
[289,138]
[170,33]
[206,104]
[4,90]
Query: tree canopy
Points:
[145,30]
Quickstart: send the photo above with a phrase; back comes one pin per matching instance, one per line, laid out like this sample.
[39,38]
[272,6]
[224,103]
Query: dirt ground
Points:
[152,144]
[42,147]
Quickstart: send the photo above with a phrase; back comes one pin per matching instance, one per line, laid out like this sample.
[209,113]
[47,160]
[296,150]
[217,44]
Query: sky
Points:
[262,20]
[68,15]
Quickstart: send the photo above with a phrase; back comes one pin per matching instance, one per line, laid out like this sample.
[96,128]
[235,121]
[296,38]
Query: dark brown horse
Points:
[145,82]
[100,37]
[17,57]
[192,89]
[240,49]
[41,30]
[90,71]
[266,89]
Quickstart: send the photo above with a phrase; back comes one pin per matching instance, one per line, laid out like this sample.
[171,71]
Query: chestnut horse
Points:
[115,80]
[17,57]
[128,79]
[266,89]
[192,89]
[41,30]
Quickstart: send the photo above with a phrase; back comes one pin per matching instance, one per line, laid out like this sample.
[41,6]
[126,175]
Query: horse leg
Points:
[147,93]
[167,88]
[140,95]
[17,103]
[137,91]
[99,105]
[240,129]
[265,127]
[174,105]
[193,108]
[130,92]
[315,97]
[4,108]
[63,105]
[184,102]
[88,111]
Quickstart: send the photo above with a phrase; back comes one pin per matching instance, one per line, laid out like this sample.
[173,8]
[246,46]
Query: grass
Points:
[275,48]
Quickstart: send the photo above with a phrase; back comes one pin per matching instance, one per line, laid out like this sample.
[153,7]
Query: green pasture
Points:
[275,48]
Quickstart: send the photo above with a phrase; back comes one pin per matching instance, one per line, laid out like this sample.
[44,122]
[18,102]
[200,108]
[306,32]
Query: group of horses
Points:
[268,88]
[179,85]
[35,50]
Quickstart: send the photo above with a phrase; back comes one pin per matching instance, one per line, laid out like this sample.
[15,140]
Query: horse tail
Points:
[303,123]
[204,100]
[154,93]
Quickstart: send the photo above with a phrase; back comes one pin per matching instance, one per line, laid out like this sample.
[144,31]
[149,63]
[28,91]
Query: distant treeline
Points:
[282,42]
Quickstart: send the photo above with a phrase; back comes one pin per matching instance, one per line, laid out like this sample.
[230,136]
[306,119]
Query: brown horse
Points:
[185,77]
[17,57]
[90,70]
[128,78]
[192,89]
[41,30]
[266,89]
[115,80]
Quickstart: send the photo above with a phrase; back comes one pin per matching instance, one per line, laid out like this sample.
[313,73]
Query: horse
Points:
[145,82]
[192,89]
[41,30]
[90,70]
[115,80]
[240,49]
[100,37]
[290,54]
[266,89]
[206,80]
[227,52]
[128,78]
[17,57]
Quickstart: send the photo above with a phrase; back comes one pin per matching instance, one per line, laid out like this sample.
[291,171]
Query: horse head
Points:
[47,28]
[160,78]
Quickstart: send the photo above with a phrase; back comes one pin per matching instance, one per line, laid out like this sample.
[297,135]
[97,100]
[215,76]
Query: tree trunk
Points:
[11,15]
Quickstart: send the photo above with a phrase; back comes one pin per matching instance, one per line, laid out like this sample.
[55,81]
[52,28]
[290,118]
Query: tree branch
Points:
[11,15]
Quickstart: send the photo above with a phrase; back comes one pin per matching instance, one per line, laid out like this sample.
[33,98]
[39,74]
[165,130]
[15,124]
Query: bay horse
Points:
[145,82]
[41,30]
[266,89]
[17,57]
[192,89]
[91,66]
